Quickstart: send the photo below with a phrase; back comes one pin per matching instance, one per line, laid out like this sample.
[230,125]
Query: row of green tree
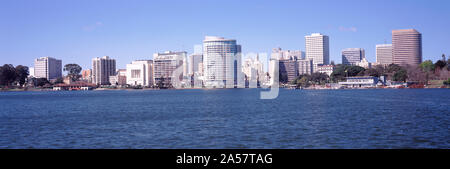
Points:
[307,80]
[10,75]
[17,76]
[395,72]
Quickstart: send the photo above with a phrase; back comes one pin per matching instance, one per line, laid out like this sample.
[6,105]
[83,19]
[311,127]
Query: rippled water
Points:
[234,118]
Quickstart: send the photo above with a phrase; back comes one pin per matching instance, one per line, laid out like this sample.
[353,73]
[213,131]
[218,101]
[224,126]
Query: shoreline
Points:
[150,89]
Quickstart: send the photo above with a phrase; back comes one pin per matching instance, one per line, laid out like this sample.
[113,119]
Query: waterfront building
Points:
[222,63]
[407,47]
[194,63]
[120,79]
[288,70]
[79,85]
[384,54]
[327,69]
[317,49]
[291,64]
[305,66]
[47,67]
[361,82]
[140,73]
[351,56]
[102,68]
[165,64]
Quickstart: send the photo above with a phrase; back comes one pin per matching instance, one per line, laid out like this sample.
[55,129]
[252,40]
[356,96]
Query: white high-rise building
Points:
[140,73]
[318,49]
[47,67]
[384,54]
[102,68]
[253,69]
[222,63]
[31,69]
[351,56]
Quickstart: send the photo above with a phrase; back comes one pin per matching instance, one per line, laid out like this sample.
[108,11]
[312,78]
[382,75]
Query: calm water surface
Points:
[235,118]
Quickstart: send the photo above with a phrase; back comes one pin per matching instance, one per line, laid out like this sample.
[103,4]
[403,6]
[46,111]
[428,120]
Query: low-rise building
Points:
[120,79]
[79,85]
[361,82]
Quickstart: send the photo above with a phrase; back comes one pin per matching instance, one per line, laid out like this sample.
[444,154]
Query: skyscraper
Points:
[407,47]
[384,54]
[47,67]
[317,49]
[165,64]
[222,63]
[288,70]
[351,56]
[305,66]
[194,61]
[102,68]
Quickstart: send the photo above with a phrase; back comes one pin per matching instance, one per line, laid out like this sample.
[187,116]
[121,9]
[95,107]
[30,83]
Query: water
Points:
[235,118]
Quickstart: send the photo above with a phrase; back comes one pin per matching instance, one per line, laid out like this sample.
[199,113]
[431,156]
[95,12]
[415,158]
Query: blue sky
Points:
[78,30]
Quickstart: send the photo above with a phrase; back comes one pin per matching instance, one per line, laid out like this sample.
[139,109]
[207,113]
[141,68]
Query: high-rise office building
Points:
[102,68]
[384,54]
[47,67]
[305,66]
[165,64]
[288,70]
[351,56]
[318,49]
[222,63]
[140,73]
[194,61]
[406,47]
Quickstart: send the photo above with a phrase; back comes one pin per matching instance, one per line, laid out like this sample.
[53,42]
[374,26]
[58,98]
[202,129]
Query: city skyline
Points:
[76,37]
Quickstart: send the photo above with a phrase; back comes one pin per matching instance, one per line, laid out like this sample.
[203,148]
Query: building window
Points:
[136,73]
